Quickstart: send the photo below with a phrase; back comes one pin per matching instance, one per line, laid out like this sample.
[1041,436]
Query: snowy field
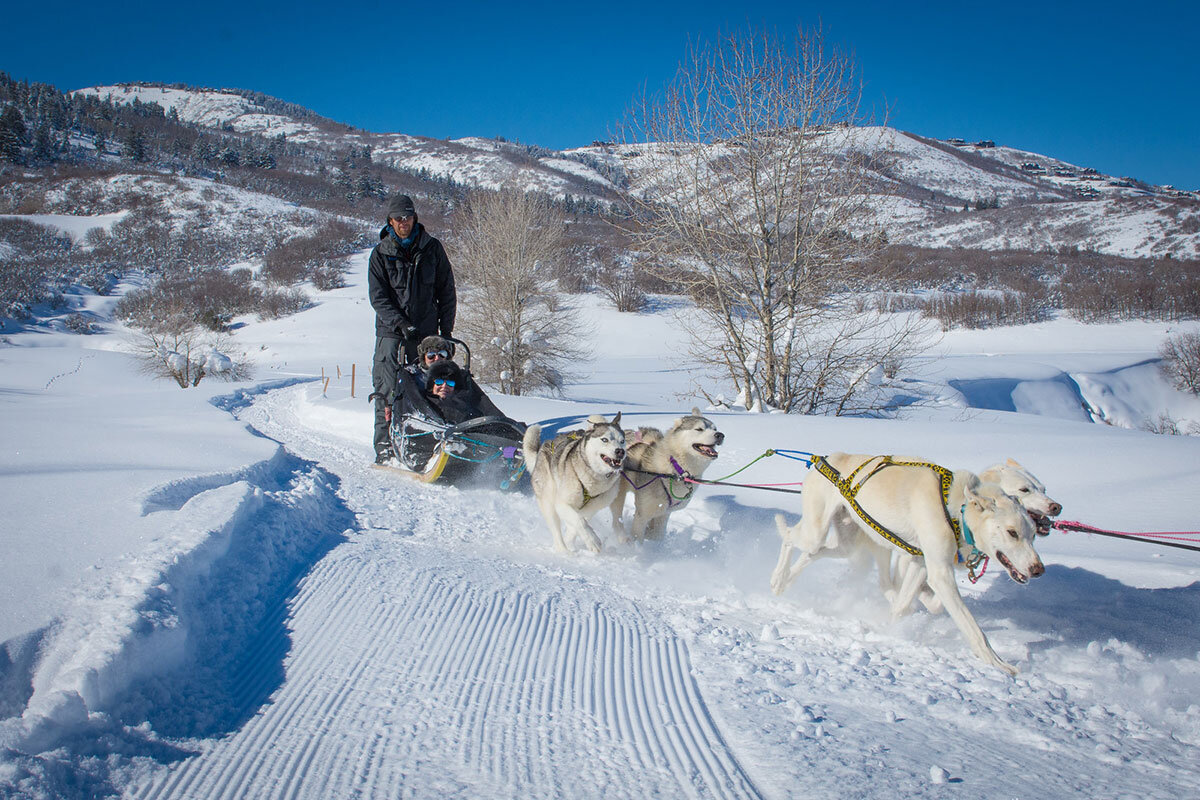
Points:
[209,594]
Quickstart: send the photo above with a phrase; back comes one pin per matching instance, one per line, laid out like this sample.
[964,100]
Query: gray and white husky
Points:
[574,475]
[685,450]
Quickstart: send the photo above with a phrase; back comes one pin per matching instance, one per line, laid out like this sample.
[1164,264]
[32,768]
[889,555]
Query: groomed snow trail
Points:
[418,671]
[414,673]
[441,649]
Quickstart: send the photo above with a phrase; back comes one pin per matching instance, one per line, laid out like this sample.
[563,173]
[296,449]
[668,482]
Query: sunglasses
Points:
[443,382]
[436,354]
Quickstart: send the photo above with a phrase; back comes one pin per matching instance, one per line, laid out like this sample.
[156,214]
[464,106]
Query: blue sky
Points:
[1115,86]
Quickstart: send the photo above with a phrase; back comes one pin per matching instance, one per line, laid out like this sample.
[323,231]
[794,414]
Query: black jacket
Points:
[411,287]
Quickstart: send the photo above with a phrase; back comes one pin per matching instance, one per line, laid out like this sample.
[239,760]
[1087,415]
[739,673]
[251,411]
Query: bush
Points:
[276,303]
[976,309]
[1180,363]
[209,298]
[318,257]
[35,266]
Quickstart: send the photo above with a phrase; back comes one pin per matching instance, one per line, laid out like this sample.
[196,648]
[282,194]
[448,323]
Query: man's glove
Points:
[409,332]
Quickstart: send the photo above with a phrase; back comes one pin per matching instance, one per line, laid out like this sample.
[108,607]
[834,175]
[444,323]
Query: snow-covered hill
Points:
[929,188]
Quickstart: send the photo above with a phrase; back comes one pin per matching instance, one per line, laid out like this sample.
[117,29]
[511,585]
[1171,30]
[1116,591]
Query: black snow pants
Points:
[384,366]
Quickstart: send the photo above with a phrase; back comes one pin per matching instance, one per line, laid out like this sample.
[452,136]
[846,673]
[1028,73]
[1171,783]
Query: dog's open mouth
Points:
[708,451]
[612,462]
[1042,522]
[1013,572]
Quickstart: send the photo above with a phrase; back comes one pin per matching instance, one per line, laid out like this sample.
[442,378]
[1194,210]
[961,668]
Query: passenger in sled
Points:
[442,419]
[468,396]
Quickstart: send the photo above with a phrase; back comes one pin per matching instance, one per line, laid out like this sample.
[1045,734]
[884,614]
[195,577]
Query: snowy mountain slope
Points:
[211,109]
[1045,203]
[926,185]
[183,201]
[472,161]
[492,164]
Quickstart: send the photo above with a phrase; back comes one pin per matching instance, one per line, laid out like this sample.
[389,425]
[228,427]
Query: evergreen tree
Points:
[134,145]
[12,134]
[44,146]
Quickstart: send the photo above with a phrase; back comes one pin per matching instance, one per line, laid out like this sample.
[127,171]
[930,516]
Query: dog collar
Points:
[968,537]
[680,471]
[976,556]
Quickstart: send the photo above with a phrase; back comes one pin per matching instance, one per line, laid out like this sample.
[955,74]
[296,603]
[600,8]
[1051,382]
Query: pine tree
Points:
[135,145]
[44,146]
[12,134]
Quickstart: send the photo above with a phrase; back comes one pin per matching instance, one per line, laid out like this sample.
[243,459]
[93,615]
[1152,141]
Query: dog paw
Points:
[1009,668]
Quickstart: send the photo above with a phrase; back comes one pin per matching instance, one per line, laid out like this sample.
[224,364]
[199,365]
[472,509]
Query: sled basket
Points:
[484,451]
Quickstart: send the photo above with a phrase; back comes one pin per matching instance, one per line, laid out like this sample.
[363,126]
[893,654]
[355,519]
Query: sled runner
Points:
[484,450]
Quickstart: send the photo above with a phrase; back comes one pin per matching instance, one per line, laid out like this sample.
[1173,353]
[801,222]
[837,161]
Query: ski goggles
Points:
[435,354]
[443,382]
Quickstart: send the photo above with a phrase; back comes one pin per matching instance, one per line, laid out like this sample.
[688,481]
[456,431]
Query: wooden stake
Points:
[353,369]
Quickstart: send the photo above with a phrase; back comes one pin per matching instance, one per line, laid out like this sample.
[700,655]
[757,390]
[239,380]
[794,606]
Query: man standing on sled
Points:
[411,286]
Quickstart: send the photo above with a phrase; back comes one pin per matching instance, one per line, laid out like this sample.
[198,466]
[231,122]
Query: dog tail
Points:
[648,435]
[530,444]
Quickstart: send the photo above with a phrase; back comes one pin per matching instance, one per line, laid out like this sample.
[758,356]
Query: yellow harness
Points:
[850,489]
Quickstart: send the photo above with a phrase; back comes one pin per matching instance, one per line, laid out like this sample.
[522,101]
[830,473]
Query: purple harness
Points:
[672,500]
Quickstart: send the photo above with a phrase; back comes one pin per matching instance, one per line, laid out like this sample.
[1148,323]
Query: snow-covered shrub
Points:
[185,353]
[35,265]
[79,323]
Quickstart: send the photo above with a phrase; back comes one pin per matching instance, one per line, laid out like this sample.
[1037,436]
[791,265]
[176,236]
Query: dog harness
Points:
[571,437]
[849,490]
[680,474]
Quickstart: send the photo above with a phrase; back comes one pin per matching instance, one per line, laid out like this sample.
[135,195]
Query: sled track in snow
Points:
[436,681]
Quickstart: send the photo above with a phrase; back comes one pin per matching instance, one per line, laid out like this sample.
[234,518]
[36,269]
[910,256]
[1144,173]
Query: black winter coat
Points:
[411,287]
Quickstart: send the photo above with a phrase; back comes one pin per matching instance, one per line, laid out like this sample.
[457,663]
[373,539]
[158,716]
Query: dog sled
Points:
[485,450]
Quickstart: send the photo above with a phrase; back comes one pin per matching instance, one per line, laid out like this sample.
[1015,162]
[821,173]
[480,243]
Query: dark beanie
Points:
[447,370]
[401,205]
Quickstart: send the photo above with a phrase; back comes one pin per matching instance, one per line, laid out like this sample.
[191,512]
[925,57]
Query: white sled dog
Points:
[1027,490]
[574,475]
[1015,481]
[685,450]
[907,501]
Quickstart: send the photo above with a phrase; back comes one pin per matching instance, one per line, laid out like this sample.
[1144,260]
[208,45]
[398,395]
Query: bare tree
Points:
[751,182]
[524,336]
[1180,363]
[619,280]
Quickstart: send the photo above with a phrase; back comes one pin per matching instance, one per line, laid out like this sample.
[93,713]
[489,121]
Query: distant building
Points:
[985,143]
